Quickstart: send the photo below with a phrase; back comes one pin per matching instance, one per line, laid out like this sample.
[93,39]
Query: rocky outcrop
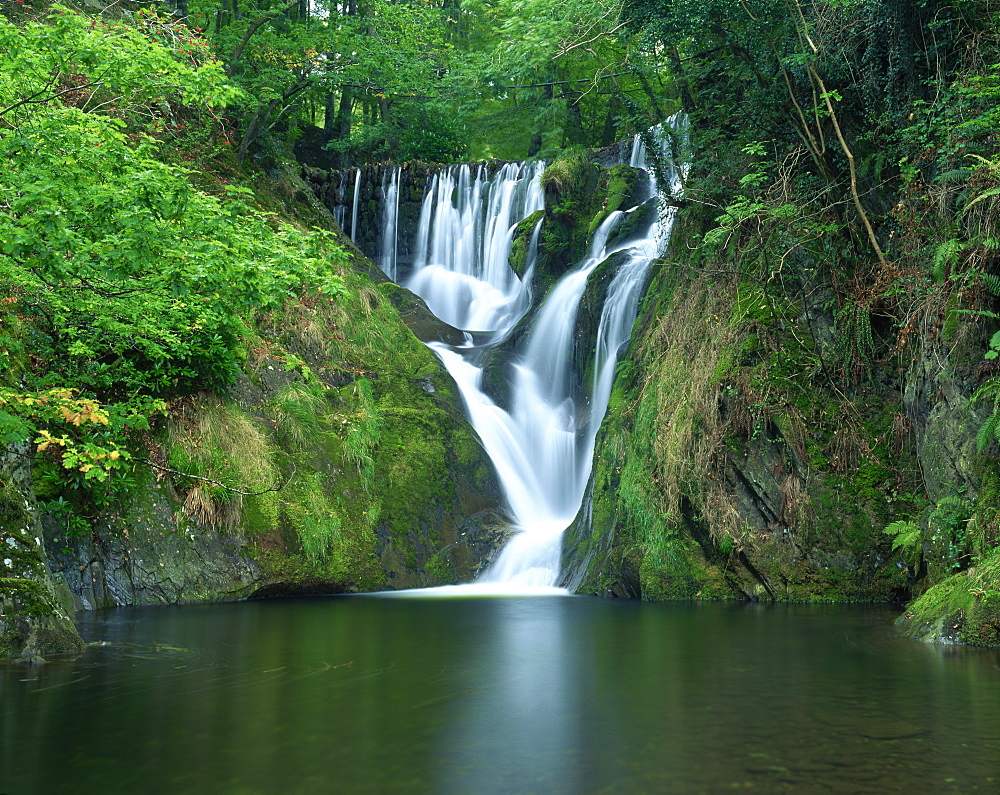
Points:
[34,617]
[335,481]
[339,461]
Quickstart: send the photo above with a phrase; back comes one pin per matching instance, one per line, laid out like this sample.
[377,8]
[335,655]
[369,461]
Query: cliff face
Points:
[746,453]
[313,474]
[34,617]
[729,468]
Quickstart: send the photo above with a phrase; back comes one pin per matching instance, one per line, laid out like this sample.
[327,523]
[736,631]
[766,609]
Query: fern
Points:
[981,197]
[954,175]
[905,533]
[990,429]
[990,388]
[905,539]
[855,341]
[945,255]
[991,283]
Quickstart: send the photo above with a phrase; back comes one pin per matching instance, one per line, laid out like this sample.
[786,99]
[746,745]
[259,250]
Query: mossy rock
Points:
[32,621]
[521,241]
[964,608]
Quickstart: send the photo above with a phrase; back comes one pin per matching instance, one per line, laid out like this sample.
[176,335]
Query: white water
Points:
[390,204]
[354,206]
[340,210]
[543,447]
[461,260]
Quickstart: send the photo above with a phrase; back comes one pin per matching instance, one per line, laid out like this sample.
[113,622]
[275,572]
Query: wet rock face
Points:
[152,560]
[699,493]
[33,622]
[944,424]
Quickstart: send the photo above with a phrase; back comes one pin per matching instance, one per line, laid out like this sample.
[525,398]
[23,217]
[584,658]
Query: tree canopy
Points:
[123,284]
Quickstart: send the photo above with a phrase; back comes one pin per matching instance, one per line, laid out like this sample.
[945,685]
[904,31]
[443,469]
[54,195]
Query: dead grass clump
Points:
[222,452]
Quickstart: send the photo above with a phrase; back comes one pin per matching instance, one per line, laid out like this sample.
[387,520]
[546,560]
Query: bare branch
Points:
[217,482]
[32,100]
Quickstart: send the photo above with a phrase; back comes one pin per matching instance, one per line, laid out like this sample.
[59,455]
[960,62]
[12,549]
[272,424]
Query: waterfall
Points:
[354,206]
[339,208]
[390,208]
[543,446]
[461,259]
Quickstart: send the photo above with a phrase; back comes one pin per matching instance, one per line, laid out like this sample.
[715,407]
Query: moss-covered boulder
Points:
[964,608]
[339,461]
[34,622]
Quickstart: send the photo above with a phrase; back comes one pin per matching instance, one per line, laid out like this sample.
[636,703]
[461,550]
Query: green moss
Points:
[522,238]
[28,597]
[964,608]
[441,568]
[31,619]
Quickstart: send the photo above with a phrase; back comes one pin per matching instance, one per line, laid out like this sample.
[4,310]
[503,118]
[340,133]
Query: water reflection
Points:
[557,694]
[526,707]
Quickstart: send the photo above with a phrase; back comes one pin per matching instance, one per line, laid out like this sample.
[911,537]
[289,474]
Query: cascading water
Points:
[339,209]
[543,447]
[466,227]
[354,205]
[390,203]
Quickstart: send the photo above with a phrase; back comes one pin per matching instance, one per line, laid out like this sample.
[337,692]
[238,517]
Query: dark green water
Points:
[558,694]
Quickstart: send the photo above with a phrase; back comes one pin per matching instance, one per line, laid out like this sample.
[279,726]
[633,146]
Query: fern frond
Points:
[901,527]
[981,197]
[989,431]
[989,388]
[990,282]
[906,535]
[945,255]
[954,175]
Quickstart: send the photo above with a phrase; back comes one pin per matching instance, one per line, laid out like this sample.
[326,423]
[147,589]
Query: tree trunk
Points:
[535,145]
[574,120]
[330,119]
[609,133]
[343,125]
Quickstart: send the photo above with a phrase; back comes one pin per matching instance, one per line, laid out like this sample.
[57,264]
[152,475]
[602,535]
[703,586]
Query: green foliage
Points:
[948,532]
[227,462]
[388,63]
[905,538]
[855,342]
[364,431]
[297,410]
[132,285]
[113,69]
[965,607]
[945,257]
